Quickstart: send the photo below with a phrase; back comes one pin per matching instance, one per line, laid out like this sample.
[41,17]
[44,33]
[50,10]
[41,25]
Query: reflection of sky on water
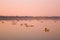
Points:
[13,30]
[10,31]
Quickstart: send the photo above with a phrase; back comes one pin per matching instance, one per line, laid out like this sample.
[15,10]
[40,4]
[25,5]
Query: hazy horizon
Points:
[14,30]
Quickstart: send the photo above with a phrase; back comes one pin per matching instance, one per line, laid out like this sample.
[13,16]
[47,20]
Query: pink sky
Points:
[30,7]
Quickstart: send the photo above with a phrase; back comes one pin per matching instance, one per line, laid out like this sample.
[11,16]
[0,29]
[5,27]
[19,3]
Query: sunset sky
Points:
[30,7]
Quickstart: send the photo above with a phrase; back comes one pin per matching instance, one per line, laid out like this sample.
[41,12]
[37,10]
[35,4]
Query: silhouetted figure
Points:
[26,24]
[46,30]
[2,21]
[21,24]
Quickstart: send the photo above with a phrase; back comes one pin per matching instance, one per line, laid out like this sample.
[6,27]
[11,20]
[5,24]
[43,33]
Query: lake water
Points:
[30,30]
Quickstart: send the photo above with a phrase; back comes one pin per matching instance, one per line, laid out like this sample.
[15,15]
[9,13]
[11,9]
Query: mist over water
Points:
[11,31]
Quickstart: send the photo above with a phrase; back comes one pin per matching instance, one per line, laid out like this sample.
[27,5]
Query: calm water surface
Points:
[20,30]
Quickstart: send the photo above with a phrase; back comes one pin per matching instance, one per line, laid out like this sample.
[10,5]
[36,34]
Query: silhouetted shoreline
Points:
[29,18]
